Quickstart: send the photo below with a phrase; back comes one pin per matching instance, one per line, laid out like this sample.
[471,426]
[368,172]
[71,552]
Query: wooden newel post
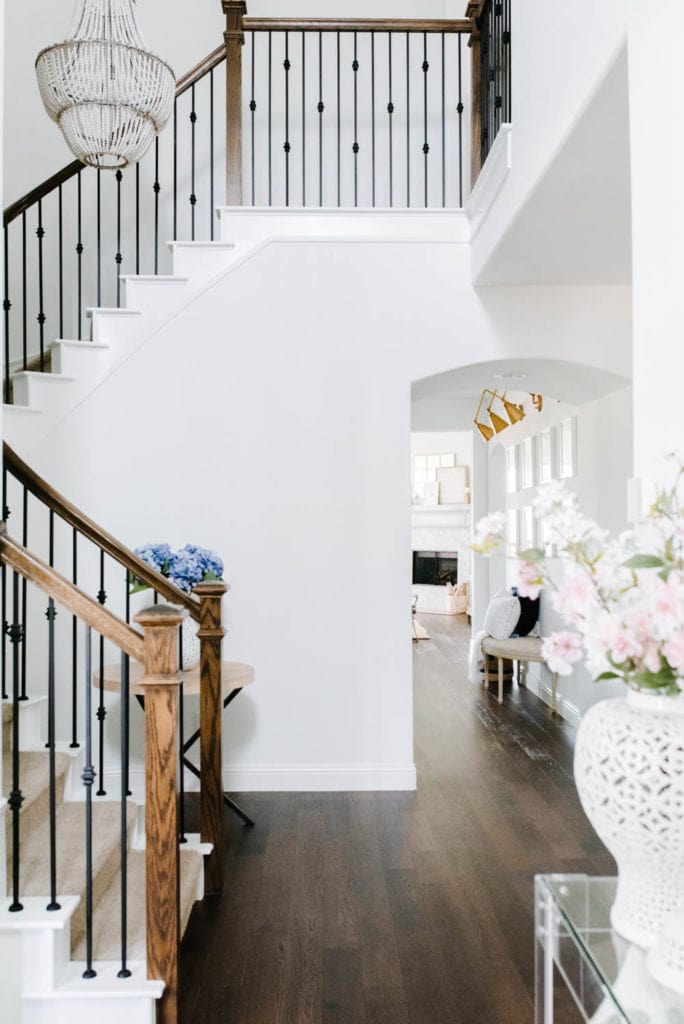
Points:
[234,36]
[475,45]
[211,634]
[161,686]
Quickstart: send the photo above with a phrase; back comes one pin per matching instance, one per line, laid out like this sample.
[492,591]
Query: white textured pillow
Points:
[502,615]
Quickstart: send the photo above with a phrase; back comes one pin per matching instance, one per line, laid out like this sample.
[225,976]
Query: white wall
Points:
[279,433]
[560,54]
[655,73]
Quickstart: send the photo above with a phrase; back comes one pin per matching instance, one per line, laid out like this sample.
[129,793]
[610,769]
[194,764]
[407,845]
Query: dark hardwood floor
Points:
[392,908]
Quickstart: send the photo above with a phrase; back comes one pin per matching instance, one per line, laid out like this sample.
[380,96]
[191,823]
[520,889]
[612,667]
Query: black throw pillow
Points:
[529,614]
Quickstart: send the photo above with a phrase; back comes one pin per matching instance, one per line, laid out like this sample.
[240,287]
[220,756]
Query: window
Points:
[425,471]
[566,449]
[512,531]
[527,459]
[545,454]
[511,470]
[526,528]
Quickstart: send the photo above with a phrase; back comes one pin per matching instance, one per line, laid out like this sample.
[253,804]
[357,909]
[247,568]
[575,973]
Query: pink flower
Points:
[625,646]
[574,597]
[674,650]
[561,651]
[651,657]
[529,580]
[666,600]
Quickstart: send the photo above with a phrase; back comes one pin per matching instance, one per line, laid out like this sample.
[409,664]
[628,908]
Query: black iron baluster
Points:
[355,146]
[459,109]
[252,108]
[339,128]
[125,712]
[181,742]
[303,118]
[287,147]
[88,778]
[128,583]
[118,258]
[372,42]
[507,60]
[16,798]
[137,218]
[211,154]
[24,595]
[270,119]
[101,709]
[79,255]
[74,648]
[426,144]
[498,82]
[408,119]
[7,305]
[40,235]
[320,108]
[175,169]
[24,301]
[99,237]
[390,113]
[60,245]
[156,188]
[444,121]
[193,162]
[51,614]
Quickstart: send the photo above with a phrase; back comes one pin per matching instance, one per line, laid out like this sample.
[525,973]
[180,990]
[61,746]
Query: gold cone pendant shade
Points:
[515,414]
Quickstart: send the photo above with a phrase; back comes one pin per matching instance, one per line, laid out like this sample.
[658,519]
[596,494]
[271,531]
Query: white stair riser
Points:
[201,262]
[156,300]
[117,328]
[86,1009]
[47,392]
[84,363]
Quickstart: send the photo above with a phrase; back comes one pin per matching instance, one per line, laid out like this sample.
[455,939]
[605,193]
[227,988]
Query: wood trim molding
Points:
[86,526]
[447,25]
[70,597]
[211,634]
[161,685]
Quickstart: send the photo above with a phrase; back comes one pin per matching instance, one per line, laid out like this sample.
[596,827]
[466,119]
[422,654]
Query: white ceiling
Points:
[576,226]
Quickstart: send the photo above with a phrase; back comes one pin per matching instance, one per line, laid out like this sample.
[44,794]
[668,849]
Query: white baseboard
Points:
[565,708]
[318,778]
[287,778]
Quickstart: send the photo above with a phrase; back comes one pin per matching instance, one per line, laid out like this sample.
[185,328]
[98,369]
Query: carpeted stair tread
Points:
[107,914]
[34,780]
[35,853]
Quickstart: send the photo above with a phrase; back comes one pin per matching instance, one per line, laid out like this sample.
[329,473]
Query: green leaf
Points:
[137,587]
[645,562]
[665,679]
[532,555]
[607,675]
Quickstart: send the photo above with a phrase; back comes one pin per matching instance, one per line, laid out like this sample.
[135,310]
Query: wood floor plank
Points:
[390,908]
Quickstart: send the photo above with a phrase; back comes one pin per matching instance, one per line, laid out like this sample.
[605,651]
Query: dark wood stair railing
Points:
[205,608]
[156,649]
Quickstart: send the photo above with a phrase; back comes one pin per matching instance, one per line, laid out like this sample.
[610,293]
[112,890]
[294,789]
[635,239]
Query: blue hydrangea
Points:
[192,564]
[184,568]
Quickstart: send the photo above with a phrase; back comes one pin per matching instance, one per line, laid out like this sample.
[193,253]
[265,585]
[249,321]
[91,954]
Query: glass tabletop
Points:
[606,975]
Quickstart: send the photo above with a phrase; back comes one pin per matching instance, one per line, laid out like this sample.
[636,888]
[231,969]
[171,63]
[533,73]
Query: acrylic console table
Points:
[576,946]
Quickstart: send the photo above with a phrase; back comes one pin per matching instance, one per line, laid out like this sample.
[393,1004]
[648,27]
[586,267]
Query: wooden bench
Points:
[518,649]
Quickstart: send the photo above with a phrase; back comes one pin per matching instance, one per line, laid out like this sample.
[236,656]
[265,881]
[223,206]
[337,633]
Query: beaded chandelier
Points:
[109,95]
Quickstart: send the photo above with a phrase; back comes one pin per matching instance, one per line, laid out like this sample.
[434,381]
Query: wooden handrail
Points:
[184,83]
[438,25]
[69,596]
[67,511]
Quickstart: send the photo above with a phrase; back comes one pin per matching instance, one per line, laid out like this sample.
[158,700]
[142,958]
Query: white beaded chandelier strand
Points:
[107,92]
